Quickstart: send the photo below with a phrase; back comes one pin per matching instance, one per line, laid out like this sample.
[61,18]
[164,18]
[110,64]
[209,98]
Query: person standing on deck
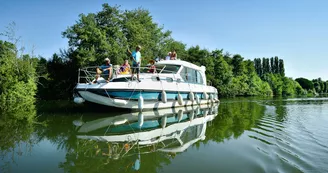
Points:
[136,62]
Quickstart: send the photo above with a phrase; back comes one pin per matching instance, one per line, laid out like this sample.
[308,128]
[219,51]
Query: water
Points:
[239,135]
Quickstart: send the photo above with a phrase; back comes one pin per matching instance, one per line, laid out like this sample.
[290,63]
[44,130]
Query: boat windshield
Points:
[167,68]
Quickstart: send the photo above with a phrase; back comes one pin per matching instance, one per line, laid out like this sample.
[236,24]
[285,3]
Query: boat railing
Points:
[88,74]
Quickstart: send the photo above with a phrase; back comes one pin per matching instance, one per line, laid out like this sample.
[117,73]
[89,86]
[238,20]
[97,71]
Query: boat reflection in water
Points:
[167,130]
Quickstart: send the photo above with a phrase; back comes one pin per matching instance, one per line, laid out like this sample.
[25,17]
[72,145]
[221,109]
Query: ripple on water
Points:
[284,155]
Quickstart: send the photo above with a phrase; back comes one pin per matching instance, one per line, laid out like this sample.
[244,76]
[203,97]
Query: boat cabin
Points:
[178,70]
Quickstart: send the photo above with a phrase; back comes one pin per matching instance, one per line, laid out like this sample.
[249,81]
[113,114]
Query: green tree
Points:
[237,65]
[258,66]
[275,83]
[265,66]
[227,58]
[111,31]
[281,67]
[272,65]
[305,83]
[288,87]
[196,55]
[276,65]
[223,75]
[317,86]
[17,81]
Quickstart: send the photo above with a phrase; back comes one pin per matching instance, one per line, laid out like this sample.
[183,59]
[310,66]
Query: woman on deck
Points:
[125,68]
[152,67]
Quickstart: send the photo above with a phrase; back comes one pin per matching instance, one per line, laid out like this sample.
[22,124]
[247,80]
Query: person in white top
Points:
[168,57]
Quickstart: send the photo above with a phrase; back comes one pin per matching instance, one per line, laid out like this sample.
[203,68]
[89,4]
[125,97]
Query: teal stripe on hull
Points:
[148,95]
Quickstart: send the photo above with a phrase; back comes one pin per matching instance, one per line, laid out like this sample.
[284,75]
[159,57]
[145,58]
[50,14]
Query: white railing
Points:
[88,74]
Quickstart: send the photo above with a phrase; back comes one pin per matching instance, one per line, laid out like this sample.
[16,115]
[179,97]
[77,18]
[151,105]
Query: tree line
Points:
[109,32]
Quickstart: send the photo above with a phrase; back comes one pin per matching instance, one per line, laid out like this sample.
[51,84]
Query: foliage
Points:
[305,83]
[272,65]
[108,33]
[320,86]
[61,77]
[17,81]
[283,86]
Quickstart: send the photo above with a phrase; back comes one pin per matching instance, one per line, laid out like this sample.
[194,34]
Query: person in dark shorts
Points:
[136,62]
[106,69]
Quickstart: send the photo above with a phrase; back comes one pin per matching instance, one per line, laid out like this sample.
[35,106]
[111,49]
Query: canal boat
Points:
[173,83]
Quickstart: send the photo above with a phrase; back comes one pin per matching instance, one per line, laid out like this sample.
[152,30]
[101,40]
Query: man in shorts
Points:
[106,69]
[136,62]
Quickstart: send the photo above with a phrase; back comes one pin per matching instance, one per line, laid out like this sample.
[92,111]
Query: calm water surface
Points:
[238,135]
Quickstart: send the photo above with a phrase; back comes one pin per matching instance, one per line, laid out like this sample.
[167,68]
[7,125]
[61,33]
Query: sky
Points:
[294,30]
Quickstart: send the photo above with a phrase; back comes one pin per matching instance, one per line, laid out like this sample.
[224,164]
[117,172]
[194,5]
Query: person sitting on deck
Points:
[168,57]
[174,55]
[125,68]
[152,67]
[106,69]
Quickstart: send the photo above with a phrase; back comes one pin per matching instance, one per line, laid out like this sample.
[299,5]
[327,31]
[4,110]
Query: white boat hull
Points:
[133,104]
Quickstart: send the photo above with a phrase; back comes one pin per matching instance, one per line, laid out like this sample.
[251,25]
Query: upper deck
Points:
[184,70]
[182,63]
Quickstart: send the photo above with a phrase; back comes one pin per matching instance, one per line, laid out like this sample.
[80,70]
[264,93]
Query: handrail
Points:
[88,74]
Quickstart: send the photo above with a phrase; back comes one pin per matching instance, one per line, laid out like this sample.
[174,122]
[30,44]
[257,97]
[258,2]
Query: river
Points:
[237,135]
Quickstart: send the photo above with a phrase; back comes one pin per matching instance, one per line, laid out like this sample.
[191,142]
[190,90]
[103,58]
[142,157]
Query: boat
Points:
[174,83]
[171,130]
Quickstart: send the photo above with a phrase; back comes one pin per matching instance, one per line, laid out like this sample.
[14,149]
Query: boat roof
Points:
[182,63]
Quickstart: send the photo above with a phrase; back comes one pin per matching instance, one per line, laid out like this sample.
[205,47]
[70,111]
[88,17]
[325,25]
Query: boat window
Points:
[199,78]
[168,68]
[191,76]
[184,74]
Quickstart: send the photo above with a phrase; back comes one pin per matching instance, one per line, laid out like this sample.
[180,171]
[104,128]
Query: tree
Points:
[109,32]
[272,65]
[237,65]
[317,86]
[258,66]
[276,65]
[17,81]
[196,55]
[227,58]
[223,75]
[281,67]
[305,83]
[264,69]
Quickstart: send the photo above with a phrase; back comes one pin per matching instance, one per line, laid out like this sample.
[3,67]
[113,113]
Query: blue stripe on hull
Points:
[151,95]
[147,95]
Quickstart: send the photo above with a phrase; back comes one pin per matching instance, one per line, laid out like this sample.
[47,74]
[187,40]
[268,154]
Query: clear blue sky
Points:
[294,30]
